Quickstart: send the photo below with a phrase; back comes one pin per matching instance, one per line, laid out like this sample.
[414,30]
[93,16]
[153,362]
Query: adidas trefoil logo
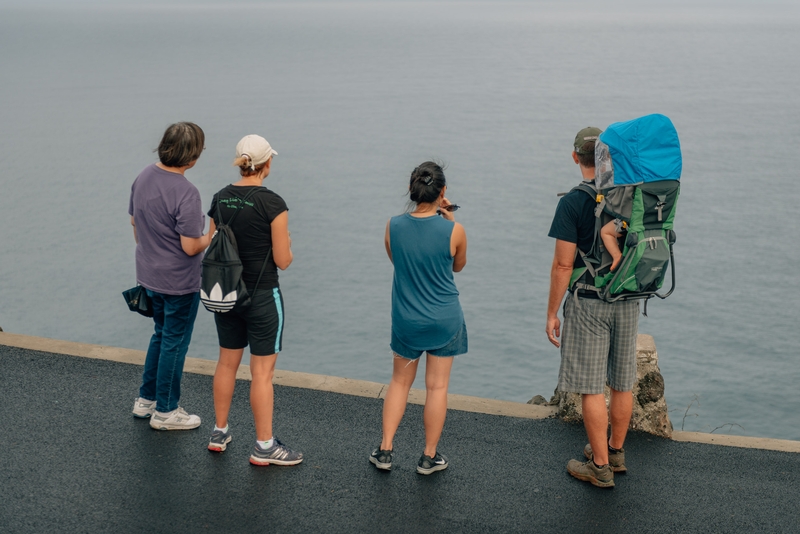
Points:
[216,302]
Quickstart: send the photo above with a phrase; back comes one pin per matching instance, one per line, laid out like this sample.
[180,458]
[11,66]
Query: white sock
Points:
[224,430]
[266,444]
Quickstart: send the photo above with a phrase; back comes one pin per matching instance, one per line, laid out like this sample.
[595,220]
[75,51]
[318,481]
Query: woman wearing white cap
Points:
[262,235]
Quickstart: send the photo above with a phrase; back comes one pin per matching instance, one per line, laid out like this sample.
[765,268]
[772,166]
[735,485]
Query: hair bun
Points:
[424,175]
[427,181]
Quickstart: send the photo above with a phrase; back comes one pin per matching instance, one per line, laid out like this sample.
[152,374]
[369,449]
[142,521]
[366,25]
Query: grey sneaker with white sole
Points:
[219,440]
[278,454]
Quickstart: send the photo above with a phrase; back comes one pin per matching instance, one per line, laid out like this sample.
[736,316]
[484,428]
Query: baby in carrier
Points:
[610,233]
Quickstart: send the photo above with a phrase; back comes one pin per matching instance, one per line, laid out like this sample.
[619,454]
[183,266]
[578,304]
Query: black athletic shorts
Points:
[260,325]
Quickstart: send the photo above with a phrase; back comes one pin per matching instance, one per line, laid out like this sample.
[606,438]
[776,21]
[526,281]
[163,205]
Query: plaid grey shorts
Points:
[598,345]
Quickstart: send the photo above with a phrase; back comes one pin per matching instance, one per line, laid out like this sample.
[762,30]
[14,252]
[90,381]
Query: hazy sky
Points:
[232,5]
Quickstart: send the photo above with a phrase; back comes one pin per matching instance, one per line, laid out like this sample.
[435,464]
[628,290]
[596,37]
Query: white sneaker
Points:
[143,408]
[177,419]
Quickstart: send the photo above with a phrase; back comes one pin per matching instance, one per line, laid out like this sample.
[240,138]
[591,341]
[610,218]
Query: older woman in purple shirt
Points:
[168,221]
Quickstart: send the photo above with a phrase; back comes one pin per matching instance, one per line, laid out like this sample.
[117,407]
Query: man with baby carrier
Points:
[633,199]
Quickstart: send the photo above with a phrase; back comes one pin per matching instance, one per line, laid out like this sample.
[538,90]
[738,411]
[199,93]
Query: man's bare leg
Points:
[621,410]
[595,420]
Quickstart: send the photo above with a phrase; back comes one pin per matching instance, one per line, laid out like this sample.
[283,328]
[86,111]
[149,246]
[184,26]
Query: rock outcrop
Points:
[649,406]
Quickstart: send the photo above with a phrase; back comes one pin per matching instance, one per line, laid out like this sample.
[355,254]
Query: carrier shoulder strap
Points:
[590,189]
[587,187]
[587,263]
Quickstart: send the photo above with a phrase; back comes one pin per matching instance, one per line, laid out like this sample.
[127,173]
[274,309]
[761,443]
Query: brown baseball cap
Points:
[590,133]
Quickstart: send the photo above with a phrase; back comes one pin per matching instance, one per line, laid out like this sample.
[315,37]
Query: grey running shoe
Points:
[428,465]
[382,459]
[615,460]
[278,454]
[177,419]
[219,440]
[143,408]
[602,477]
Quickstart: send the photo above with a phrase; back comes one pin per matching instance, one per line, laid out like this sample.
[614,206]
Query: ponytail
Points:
[246,167]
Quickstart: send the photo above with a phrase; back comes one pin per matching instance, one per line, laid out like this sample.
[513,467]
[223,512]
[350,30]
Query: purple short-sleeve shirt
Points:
[166,206]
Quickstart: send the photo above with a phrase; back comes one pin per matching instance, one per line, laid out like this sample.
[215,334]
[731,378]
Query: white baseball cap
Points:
[255,148]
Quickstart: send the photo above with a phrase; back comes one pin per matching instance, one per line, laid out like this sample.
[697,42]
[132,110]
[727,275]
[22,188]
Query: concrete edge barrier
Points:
[362,388]
[745,442]
[333,384]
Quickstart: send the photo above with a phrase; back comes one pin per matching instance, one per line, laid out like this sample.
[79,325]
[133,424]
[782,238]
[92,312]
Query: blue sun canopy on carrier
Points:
[638,151]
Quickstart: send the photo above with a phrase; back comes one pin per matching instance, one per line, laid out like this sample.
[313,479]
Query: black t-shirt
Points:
[251,228]
[574,221]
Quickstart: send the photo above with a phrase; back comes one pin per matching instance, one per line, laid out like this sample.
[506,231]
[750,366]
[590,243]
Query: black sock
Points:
[599,466]
[612,450]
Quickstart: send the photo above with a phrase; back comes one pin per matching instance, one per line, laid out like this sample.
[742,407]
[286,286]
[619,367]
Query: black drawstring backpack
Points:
[222,288]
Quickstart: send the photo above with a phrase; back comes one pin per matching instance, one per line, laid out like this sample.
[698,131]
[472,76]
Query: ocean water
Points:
[353,95]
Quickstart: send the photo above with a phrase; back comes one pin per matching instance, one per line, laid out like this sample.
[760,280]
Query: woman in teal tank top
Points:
[426,246]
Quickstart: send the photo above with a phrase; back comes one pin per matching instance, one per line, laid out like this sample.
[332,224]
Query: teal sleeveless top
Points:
[426,314]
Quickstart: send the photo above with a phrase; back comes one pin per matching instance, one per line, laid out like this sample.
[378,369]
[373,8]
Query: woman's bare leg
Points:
[437,379]
[394,405]
[262,398]
[224,383]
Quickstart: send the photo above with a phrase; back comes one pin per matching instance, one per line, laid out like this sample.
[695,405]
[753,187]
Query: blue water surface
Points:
[353,95]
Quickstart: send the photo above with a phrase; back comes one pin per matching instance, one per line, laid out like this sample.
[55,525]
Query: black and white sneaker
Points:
[428,465]
[382,459]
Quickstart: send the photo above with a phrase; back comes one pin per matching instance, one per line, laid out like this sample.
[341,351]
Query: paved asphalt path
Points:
[75,460]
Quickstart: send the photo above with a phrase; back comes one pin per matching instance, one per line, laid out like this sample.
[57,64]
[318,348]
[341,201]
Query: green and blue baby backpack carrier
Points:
[638,168]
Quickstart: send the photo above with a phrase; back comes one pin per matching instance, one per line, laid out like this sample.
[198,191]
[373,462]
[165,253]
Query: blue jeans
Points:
[174,317]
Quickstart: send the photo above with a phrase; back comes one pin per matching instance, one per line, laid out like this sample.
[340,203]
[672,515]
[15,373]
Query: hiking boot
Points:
[278,454]
[615,459]
[219,440]
[428,465]
[602,477]
[382,459]
[177,419]
[143,408]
